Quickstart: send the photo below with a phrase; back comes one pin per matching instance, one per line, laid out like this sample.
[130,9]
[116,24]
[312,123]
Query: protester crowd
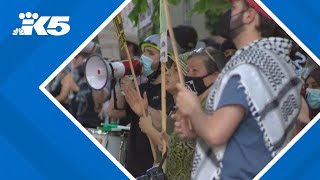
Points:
[248,91]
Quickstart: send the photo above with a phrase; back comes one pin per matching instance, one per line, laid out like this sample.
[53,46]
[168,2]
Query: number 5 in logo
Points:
[57,26]
[58,21]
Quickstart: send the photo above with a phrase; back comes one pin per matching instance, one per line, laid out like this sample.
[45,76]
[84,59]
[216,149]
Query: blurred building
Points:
[179,16]
[108,38]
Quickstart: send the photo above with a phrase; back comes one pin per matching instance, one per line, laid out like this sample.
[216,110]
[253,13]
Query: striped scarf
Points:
[264,68]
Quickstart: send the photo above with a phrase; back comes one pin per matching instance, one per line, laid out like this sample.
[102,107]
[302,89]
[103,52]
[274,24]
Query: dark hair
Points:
[211,43]
[136,49]
[186,36]
[267,27]
[214,60]
[315,74]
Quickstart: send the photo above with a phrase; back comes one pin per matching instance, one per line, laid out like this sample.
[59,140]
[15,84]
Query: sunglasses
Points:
[201,50]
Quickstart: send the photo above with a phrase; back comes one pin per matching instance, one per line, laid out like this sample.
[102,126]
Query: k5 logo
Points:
[57,25]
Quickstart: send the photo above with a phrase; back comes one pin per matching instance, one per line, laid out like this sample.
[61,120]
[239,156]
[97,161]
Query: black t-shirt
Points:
[139,155]
[82,106]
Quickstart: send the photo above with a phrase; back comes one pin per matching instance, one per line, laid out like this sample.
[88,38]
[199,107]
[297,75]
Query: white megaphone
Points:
[98,71]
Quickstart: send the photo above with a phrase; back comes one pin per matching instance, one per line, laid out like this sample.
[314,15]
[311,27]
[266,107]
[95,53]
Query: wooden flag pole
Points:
[173,41]
[163,60]
[163,109]
[140,98]
[174,46]
[125,46]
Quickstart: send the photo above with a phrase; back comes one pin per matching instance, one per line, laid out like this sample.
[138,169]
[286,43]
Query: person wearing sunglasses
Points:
[200,68]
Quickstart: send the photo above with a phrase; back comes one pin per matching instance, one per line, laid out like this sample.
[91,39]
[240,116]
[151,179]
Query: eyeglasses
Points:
[200,50]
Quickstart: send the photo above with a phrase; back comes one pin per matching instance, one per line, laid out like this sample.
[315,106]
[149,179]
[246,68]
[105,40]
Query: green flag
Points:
[163,31]
[118,25]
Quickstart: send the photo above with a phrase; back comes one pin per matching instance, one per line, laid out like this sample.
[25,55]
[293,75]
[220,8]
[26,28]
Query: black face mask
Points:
[152,77]
[224,25]
[196,84]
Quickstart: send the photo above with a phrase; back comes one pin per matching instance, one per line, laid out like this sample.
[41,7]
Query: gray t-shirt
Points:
[246,153]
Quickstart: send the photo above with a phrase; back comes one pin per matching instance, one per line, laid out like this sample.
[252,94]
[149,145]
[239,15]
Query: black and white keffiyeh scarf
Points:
[264,67]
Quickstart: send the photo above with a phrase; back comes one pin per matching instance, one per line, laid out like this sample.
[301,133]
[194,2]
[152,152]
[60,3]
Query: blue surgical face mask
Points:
[313,98]
[147,62]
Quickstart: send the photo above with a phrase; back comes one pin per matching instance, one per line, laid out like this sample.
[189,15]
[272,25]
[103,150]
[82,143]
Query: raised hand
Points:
[69,83]
[182,126]
[67,86]
[125,83]
[132,98]
[187,102]
[145,124]
[164,139]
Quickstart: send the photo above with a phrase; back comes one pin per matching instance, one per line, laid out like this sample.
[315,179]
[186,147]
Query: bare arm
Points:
[132,98]
[216,128]
[303,116]
[67,85]
[156,118]
[111,111]
[145,124]
[99,97]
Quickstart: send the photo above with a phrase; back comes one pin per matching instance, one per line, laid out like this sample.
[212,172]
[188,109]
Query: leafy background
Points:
[212,9]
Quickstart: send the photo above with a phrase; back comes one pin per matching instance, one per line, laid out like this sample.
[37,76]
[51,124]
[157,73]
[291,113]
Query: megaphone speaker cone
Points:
[96,72]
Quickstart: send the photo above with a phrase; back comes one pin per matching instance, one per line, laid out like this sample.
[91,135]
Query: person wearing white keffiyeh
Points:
[251,108]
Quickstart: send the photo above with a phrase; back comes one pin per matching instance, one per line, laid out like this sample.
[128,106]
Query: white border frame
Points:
[105,23]
[316,118]
[64,64]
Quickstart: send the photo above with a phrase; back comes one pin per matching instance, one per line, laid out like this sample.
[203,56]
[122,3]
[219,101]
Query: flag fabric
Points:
[163,31]
[118,25]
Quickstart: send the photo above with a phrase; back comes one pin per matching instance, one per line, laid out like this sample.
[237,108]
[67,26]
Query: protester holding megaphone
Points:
[74,92]
[113,109]
[100,71]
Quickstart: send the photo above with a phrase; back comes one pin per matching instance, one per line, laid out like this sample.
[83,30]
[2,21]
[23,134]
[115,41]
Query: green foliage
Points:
[174,2]
[212,9]
[202,6]
[218,8]
[155,16]
[140,7]
[156,13]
